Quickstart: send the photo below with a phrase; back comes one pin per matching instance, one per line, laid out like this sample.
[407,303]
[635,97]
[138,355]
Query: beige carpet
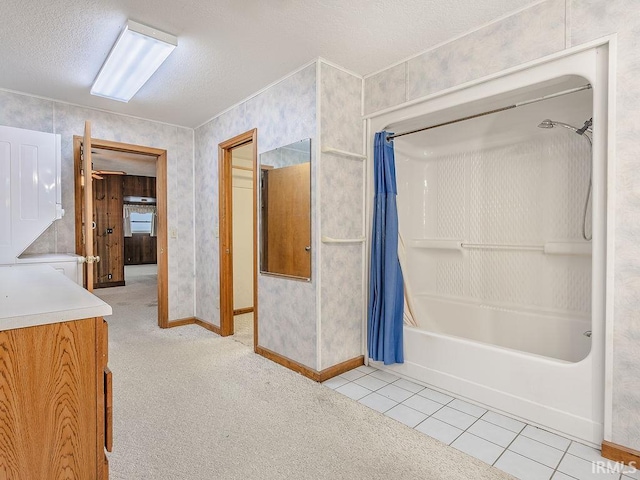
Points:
[191,405]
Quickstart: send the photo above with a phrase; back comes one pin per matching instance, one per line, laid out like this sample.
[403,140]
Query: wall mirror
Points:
[285,211]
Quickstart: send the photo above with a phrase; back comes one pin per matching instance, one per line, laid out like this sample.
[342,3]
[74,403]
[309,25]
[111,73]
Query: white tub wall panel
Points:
[283,114]
[32,113]
[591,19]
[385,89]
[517,39]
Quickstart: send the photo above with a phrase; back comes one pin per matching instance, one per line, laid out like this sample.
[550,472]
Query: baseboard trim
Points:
[119,283]
[242,311]
[339,368]
[209,326]
[314,375]
[194,321]
[618,453]
[180,322]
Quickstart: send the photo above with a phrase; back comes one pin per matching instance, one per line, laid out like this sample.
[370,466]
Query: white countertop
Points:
[33,295]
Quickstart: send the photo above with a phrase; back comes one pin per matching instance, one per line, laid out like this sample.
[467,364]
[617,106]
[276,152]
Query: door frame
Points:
[161,205]
[225,215]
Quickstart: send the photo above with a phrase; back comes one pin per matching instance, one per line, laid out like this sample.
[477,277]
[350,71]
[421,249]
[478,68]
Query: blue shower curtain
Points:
[386,291]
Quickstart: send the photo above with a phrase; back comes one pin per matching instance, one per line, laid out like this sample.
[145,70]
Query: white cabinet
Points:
[30,195]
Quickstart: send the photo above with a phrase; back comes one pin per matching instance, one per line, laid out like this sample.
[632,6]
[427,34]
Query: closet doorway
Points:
[238,174]
[129,216]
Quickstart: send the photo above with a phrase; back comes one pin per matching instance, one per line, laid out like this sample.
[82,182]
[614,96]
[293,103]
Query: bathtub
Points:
[508,298]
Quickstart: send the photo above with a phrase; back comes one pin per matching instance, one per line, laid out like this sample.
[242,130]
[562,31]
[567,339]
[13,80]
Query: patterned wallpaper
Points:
[545,28]
[283,114]
[23,111]
[342,179]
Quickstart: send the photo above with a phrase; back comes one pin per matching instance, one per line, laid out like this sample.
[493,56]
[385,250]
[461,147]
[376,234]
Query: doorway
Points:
[238,175]
[127,178]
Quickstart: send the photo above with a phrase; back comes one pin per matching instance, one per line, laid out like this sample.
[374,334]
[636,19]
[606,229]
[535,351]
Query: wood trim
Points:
[314,375]
[161,195]
[162,251]
[180,322]
[618,453]
[288,363]
[110,284]
[340,368]
[225,215]
[209,326]
[242,311]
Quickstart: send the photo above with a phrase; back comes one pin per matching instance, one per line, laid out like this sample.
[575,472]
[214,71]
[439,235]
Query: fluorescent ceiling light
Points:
[136,55]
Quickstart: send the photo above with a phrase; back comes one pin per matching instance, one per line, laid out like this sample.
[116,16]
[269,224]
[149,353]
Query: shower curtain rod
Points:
[502,109]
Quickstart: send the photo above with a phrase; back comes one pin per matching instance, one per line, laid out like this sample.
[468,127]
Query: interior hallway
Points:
[189,404]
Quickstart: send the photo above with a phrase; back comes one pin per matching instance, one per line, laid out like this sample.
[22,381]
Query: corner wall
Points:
[283,113]
[25,111]
[530,34]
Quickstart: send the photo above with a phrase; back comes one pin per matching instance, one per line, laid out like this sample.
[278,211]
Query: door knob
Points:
[307,248]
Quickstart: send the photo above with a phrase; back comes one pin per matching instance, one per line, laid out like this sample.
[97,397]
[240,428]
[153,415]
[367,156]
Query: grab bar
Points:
[548,248]
[342,240]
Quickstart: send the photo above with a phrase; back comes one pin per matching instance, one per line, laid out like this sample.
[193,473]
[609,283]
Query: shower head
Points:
[580,131]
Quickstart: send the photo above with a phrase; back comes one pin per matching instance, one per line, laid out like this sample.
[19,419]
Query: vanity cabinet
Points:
[55,401]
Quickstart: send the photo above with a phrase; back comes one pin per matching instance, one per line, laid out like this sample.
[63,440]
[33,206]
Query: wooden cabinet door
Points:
[48,399]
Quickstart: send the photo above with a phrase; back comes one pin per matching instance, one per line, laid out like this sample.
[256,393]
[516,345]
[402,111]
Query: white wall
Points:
[24,111]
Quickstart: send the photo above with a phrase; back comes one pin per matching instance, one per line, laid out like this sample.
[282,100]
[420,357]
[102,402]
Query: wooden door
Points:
[108,234]
[288,205]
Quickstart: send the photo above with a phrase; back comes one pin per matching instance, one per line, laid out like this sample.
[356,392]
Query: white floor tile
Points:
[386,376]
[395,393]
[439,430]
[424,405]
[523,468]
[407,385]
[493,433]
[372,383]
[537,451]
[378,402]
[335,382]
[630,472]
[353,391]
[543,436]
[482,449]
[561,476]
[455,417]
[435,396]
[584,469]
[351,375]
[406,415]
[588,453]
[366,370]
[503,421]
[467,408]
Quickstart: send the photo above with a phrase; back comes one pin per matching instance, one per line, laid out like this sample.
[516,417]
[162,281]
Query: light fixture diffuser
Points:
[136,55]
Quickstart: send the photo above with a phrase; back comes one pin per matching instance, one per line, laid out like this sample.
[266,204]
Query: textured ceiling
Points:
[227,49]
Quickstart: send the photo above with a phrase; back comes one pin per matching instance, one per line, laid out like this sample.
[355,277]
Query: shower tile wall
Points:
[23,111]
[527,193]
[525,36]
[283,114]
[341,181]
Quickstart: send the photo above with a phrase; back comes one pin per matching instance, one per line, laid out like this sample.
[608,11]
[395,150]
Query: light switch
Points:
[173,232]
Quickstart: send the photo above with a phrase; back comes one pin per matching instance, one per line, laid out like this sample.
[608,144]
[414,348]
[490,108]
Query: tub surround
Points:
[35,295]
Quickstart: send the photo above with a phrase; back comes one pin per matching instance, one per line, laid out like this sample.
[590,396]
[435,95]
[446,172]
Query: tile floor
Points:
[524,451]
